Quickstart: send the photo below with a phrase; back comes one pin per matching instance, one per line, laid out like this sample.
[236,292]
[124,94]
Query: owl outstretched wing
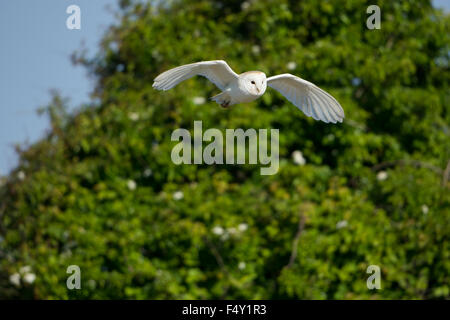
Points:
[216,71]
[313,101]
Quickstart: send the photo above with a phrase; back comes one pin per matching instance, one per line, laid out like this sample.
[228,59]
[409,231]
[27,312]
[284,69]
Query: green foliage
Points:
[100,191]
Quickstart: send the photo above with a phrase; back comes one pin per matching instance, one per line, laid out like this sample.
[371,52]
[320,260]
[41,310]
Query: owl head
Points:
[254,81]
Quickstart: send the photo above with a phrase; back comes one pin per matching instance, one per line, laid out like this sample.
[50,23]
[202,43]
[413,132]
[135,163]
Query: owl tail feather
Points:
[223,99]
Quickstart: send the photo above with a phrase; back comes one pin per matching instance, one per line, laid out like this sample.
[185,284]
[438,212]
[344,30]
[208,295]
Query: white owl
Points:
[250,85]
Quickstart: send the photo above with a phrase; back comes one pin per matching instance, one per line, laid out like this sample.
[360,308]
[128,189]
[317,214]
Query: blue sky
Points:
[35,57]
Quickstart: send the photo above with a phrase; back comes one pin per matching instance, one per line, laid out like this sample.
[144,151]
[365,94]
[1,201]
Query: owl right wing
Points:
[216,71]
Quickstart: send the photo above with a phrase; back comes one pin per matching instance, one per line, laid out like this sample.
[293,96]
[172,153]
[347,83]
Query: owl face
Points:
[254,82]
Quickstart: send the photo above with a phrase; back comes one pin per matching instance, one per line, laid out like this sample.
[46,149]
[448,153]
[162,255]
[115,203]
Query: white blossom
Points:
[21,175]
[225,236]
[15,279]
[245,5]
[131,185]
[425,209]
[242,227]
[156,55]
[113,46]
[25,269]
[298,158]
[291,65]
[134,116]
[232,230]
[178,195]
[382,175]
[148,172]
[256,49]
[241,265]
[218,230]
[29,278]
[341,224]
[199,100]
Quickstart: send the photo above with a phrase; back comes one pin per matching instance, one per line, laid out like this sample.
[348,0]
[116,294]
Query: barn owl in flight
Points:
[250,85]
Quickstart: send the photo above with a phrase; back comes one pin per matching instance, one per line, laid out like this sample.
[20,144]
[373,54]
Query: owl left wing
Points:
[313,101]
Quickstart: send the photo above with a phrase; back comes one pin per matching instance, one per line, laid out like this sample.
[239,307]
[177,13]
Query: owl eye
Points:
[253,82]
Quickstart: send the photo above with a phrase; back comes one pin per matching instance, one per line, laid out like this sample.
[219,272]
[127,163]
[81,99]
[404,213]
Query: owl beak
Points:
[257,89]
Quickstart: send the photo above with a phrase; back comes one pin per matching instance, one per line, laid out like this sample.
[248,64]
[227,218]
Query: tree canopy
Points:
[100,190]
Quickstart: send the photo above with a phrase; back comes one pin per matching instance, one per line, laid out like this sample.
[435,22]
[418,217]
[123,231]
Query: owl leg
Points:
[223,99]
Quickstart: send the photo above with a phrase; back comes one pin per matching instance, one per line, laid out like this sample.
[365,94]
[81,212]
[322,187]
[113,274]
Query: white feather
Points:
[217,71]
[313,101]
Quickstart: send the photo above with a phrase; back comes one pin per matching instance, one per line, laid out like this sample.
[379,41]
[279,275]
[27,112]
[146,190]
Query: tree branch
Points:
[446,174]
[216,255]
[221,264]
[301,225]
[415,163]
